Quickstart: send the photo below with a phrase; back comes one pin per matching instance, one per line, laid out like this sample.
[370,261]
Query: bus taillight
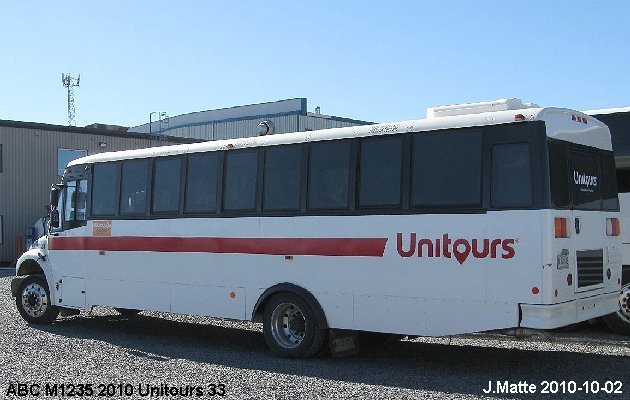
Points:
[613,227]
[562,228]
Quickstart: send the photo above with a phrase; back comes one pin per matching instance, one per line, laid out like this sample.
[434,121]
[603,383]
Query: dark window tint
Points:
[609,189]
[166,184]
[104,185]
[201,183]
[511,176]
[0,160]
[558,168]
[380,172]
[283,172]
[133,191]
[446,169]
[239,191]
[623,180]
[585,180]
[329,175]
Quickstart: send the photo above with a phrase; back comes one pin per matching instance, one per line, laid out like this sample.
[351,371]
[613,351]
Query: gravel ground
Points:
[102,348]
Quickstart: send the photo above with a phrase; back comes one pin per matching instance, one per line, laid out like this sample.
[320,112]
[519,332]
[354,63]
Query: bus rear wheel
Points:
[33,301]
[291,328]
[619,322]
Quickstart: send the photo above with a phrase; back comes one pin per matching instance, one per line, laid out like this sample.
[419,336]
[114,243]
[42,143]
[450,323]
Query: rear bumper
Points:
[550,316]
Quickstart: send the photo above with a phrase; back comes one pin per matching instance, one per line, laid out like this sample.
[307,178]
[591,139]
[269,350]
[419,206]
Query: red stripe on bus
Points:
[369,247]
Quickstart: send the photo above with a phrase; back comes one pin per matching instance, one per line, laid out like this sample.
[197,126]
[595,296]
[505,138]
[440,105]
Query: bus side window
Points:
[380,172]
[240,183]
[329,175]
[201,183]
[446,169]
[75,202]
[104,184]
[511,176]
[133,192]
[282,178]
[166,185]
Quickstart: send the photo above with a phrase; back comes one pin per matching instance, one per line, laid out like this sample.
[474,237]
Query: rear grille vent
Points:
[590,268]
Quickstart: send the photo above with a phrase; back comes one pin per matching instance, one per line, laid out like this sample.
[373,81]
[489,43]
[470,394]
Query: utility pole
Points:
[69,83]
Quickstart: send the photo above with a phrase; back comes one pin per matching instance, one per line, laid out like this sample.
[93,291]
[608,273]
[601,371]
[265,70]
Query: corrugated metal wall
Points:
[249,127]
[29,167]
[289,106]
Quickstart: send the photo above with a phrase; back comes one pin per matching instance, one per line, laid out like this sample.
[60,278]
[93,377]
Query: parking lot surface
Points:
[166,356]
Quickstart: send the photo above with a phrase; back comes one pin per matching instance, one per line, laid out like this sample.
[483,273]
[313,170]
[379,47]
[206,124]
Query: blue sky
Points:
[371,60]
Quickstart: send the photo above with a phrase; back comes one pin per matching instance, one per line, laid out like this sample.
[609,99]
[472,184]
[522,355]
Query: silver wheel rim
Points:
[34,300]
[288,325]
[624,304]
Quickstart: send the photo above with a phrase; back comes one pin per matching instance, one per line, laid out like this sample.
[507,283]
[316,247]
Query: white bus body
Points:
[426,270]
[618,121]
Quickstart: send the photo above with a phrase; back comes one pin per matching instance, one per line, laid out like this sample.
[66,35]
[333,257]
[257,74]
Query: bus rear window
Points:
[582,178]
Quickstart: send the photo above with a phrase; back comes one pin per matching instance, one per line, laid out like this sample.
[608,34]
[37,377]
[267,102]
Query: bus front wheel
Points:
[33,301]
[619,322]
[291,328]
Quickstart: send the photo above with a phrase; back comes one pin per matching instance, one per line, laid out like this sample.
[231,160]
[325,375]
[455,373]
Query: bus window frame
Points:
[534,133]
[182,176]
[490,135]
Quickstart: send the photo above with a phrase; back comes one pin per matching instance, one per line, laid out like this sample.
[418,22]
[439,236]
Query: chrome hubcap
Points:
[34,300]
[624,304]
[288,325]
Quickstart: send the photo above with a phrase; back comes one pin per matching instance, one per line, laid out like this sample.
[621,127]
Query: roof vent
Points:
[478,108]
[265,128]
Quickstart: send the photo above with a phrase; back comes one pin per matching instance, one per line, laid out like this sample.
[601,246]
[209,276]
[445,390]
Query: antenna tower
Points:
[69,83]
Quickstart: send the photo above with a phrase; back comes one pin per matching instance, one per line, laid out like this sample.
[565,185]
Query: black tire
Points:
[33,301]
[291,328]
[127,312]
[619,322]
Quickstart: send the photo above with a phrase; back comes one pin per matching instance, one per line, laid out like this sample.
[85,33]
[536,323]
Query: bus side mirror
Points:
[54,196]
[54,218]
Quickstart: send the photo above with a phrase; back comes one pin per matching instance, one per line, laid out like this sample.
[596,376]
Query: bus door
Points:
[71,212]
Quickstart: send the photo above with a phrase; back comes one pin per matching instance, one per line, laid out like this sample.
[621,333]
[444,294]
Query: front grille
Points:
[590,268]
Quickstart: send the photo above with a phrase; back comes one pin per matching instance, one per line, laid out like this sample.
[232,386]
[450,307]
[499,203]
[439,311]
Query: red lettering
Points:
[459,248]
[495,243]
[508,249]
[480,253]
[429,245]
[460,255]
[446,242]
[412,245]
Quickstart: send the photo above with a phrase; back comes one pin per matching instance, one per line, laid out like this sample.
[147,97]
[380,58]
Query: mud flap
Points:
[343,342]
[15,285]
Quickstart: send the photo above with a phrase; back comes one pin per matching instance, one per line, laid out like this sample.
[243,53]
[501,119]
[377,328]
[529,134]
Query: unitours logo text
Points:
[458,248]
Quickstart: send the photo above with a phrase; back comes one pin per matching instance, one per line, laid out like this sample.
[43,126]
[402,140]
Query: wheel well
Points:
[257,314]
[30,267]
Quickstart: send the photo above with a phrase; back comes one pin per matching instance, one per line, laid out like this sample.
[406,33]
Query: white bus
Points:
[618,121]
[485,216]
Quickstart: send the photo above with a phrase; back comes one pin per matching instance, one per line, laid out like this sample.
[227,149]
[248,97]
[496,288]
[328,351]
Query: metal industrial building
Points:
[32,155]
[242,121]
